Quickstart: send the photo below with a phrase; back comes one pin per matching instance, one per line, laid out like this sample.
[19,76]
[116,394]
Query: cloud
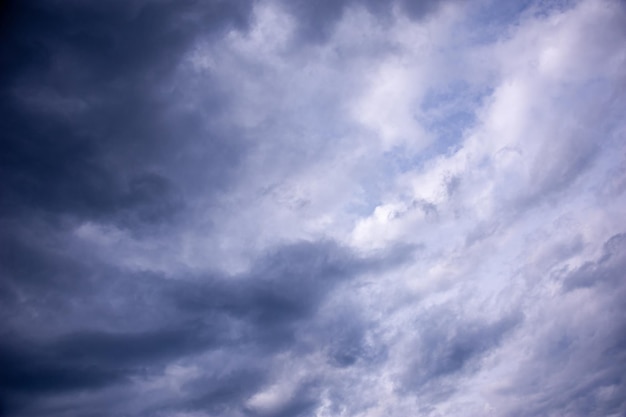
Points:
[316,22]
[312,209]
[87,116]
[138,324]
[573,365]
[448,345]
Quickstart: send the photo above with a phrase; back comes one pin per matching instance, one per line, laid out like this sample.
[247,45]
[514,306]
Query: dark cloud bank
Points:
[86,115]
[92,133]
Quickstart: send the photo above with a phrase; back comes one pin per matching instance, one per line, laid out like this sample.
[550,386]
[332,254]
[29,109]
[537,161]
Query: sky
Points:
[332,208]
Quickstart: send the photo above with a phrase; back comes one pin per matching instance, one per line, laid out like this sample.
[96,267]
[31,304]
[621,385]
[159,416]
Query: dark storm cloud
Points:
[27,371]
[89,359]
[84,360]
[114,325]
[88,130]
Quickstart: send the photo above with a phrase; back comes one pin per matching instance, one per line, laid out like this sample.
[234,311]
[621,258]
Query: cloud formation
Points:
[335,208]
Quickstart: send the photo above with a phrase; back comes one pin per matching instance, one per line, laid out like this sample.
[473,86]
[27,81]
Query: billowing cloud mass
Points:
[283,208]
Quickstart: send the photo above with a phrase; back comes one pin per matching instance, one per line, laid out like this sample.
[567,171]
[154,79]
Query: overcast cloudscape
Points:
[333,208]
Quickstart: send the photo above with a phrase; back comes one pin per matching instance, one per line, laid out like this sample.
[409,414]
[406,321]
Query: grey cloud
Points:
[132,325]
[447,345]
[225,395]
[419,9]
[304,401]
[347,345]
[87,362]
[554,174]
[576,364]
[109,157]
[344,333]
[607,272]
[34,371]
[118,161]
[317,20]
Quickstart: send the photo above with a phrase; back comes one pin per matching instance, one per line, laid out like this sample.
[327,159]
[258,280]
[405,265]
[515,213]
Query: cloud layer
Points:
[334,208]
